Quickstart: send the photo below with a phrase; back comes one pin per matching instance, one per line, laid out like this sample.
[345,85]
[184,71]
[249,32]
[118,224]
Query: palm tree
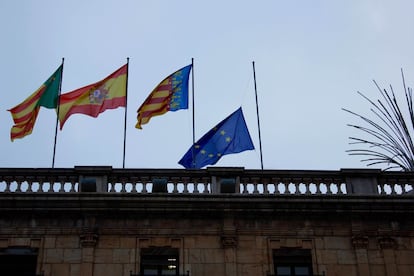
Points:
[390,141]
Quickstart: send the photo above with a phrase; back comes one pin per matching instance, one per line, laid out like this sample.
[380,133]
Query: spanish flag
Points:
[93,99]
[25,114]
[170,95]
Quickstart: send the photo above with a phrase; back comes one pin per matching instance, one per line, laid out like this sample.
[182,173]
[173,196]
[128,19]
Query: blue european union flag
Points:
[179,89]
[229,136]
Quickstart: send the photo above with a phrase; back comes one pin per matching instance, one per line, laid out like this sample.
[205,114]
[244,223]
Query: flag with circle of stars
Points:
[230,136]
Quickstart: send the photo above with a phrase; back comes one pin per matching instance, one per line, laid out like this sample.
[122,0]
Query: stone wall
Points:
[226,243]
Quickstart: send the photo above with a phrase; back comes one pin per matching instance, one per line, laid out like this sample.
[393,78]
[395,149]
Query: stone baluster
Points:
[206,185]
[265,186]
[62,186]
[54,187]
[30,186]
[286,183]
[275,182]
[123,186]
[243,183]
[8,187]
[255,183]
[62,182]
[175,187]
[341,186]
[318,183]
[296,182]
[383,190]
[196,181]
[72,186]
[134,184]
[40,184]
[329,189]
[18,184]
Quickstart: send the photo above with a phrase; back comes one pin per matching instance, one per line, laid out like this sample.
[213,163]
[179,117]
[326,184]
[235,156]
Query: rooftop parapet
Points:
[213,180]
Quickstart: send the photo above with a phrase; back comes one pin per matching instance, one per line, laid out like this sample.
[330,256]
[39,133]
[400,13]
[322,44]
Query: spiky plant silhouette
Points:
[390,131]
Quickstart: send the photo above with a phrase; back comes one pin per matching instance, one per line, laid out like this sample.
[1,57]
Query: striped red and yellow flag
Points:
[93,99]
[170,95]
[25,114]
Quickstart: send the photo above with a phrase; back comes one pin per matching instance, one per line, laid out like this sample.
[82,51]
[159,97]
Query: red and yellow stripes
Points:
[171,94]
[157,103]
[25,115]
[94,99]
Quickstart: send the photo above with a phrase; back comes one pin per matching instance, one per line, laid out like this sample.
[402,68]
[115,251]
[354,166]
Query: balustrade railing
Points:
[206,181]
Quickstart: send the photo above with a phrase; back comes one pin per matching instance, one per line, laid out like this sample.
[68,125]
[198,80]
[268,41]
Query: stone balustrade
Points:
[213,180]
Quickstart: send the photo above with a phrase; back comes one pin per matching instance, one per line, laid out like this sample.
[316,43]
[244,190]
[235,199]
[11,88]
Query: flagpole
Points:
[57,117]
[258,118]
[125,119]
[192,83]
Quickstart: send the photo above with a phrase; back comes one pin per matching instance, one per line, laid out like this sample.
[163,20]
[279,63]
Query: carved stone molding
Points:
[360,242]
[229,241]
[88,237]
[387,243]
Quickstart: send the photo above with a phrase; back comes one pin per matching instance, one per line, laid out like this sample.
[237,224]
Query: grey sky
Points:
[311,59]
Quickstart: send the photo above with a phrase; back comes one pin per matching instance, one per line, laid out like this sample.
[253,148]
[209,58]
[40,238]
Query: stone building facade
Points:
[219,221]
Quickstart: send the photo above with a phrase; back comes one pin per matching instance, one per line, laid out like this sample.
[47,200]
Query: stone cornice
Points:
[351,206]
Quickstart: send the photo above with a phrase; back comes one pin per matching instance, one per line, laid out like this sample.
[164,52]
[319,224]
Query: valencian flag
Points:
[229,136]
[25,114]
[93,99]
[170,95]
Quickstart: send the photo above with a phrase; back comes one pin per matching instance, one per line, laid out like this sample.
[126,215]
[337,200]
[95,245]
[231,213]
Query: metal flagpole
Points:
[258,118]
[125,120]
[192,83]
[57,115]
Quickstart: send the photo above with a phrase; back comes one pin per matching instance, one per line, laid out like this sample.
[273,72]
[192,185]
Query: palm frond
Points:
[390,128]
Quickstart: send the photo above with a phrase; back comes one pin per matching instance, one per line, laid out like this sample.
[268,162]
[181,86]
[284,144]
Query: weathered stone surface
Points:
[214,234]
[108,269]
[122,256]
[103,256]
[72,255]
[75,270]
[67,242]
[343,243]
[54,255]
[127,242]
[61,269]
[109,242]
[346,257]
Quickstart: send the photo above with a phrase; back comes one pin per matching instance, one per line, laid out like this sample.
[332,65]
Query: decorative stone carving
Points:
[360,242]
[229,241]
[88,237]
[387,243]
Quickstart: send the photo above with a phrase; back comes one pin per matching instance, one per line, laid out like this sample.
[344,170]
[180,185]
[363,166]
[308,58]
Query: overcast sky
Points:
[311,59]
